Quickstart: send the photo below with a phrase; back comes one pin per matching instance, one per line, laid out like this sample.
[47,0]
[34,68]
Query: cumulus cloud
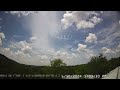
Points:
[107,50]
[24,51]
[82,19]
[6,51]
[92,38]
[68,58]
[119,21]
[25,58]
[23,46]
[84,53]
[85,24]
[81,47]
[95,20]
[42,57]
[111,53]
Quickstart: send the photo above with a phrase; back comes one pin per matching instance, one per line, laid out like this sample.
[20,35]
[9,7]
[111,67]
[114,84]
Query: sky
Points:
[37,37]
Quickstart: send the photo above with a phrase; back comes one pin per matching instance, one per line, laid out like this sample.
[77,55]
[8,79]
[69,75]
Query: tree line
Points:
[98,65]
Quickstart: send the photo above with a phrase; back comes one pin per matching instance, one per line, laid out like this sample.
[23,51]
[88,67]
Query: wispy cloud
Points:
[17,36]
[109,34]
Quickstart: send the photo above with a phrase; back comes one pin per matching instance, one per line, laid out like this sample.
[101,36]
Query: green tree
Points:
[97,59]
[57,63]
[97,65]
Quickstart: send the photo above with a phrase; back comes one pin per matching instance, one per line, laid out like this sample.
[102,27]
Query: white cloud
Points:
[119,46]
[118,50]
[101,12]
[25,58]
[92,38]
[119,21]
[32,39]
[0,42]
[26,49]
[18,56]
[74,55]
[84,24]
[21,13]
[44,57]
[23,46]
[39,57]
[81,47]
[69,59]
[84,50]
[6,51]
[95,20]
[2,36]
[74,50]
[84,53]
[111,53]
[82,19]
[107,50]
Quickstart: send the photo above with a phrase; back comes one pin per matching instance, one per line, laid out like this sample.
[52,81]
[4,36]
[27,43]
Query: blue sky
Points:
[36,37]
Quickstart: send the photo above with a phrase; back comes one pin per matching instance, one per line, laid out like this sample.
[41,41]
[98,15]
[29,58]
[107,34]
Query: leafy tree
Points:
[97,59]
[57,63]
[97,65]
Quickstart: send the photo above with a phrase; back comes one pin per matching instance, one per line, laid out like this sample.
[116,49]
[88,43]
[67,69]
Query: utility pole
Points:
[117,73]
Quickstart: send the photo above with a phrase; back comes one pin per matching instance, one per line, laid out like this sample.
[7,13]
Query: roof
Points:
[114,74]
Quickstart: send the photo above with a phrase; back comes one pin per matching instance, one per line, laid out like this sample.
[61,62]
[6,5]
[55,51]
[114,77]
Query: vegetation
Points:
[57,63]
[98,65]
